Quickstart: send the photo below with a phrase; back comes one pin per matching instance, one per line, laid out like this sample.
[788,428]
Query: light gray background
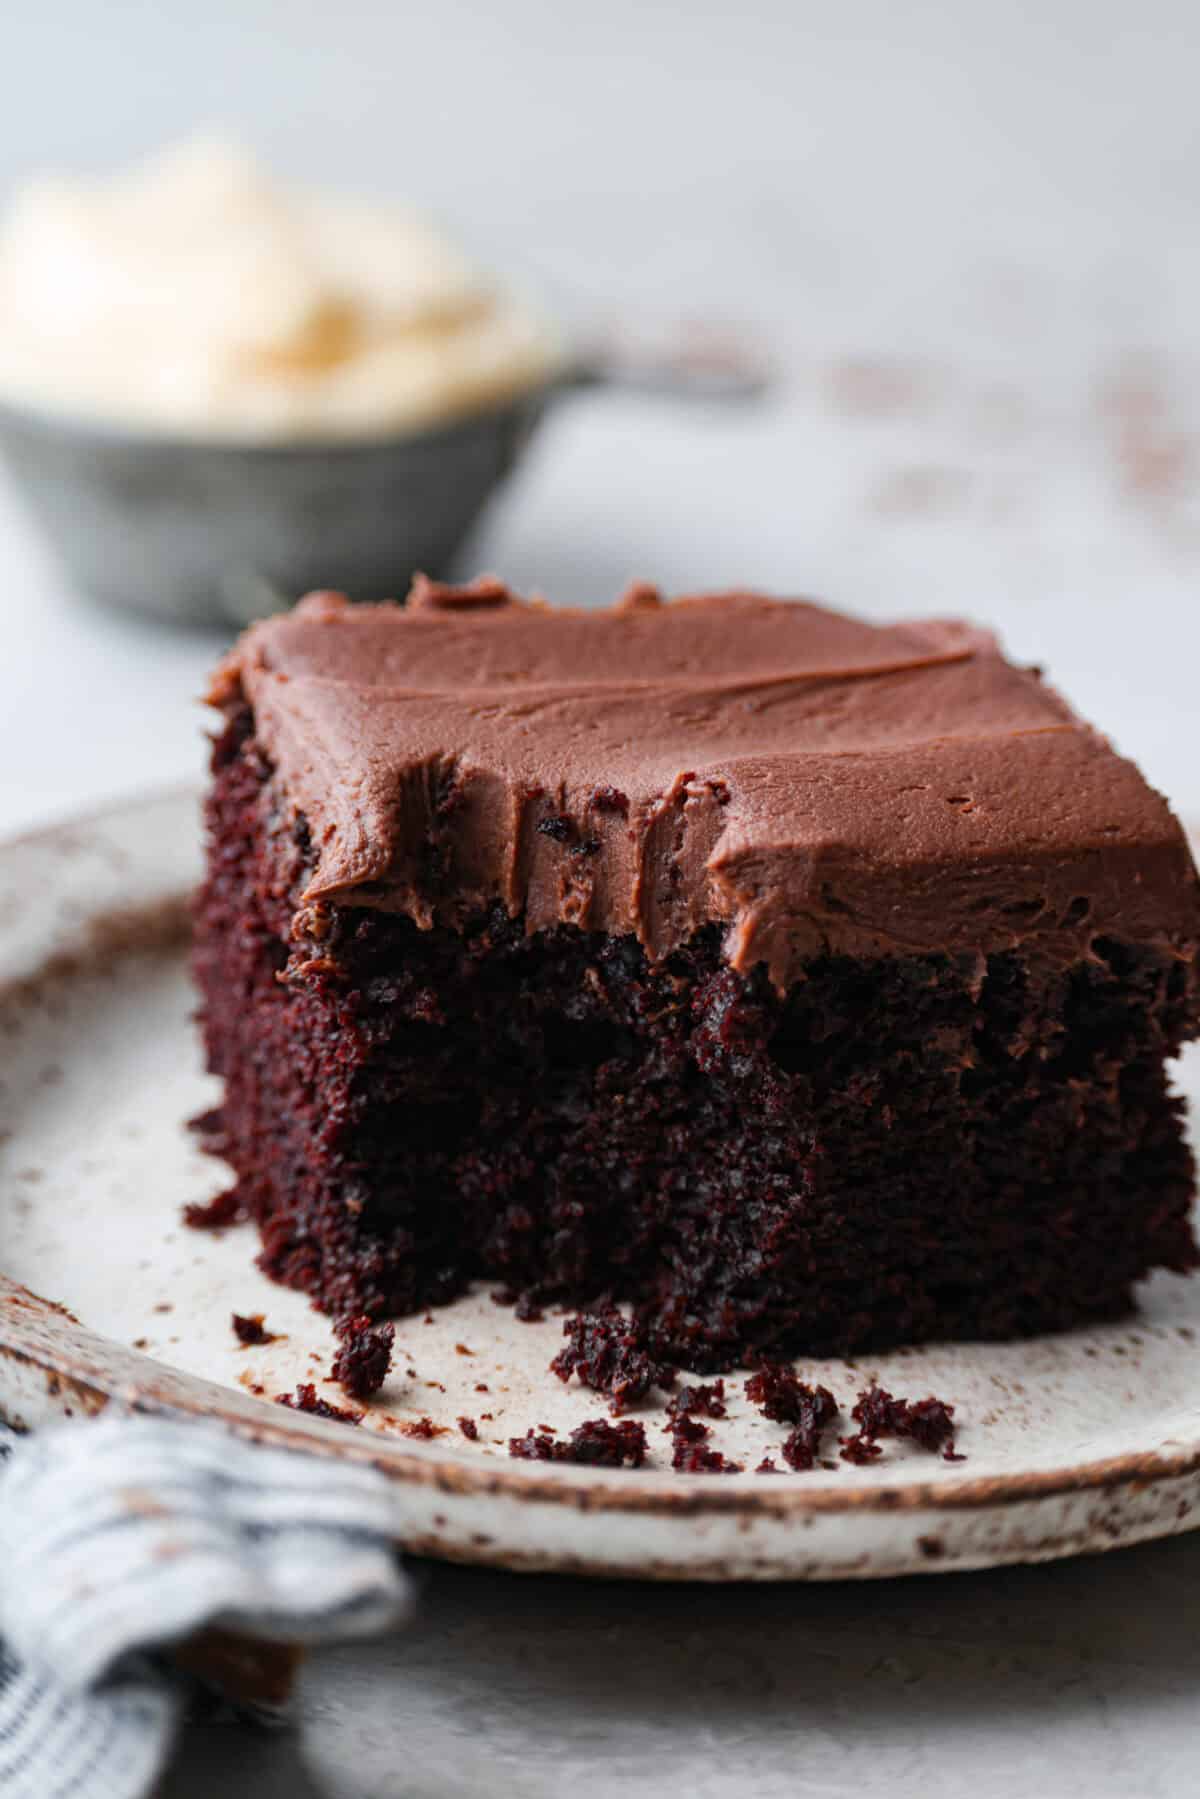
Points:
[968,234]
[1003,200]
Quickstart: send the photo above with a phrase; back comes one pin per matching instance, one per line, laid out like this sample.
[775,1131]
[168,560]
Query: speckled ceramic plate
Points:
[1072,1443]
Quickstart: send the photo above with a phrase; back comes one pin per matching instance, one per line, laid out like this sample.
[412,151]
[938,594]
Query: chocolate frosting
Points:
[807,781]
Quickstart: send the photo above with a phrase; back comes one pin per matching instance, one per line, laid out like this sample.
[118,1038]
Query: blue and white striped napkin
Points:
[124,1537]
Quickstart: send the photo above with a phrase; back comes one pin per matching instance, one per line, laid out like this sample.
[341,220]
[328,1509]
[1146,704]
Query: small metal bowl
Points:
[205,532]
[222,532]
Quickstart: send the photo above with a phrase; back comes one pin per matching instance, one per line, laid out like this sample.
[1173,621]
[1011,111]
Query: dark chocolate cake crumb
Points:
[766,1466]
[215,1214]
[931,1427]
[423,1429]
[690,1453]
[595,1443]
[535,1446]
[605,1445]
[252,1330]
[698,1401]
[690,1457]
[878,1414]
[361,1364]
[860,1449]
[777,1392]
[557,826]
[816,1410]
[782,1396]
[611,1354]
[929,1423]
[469,1429]
[307,1399]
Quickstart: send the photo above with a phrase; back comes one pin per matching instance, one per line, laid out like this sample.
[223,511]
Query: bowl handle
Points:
[694,360]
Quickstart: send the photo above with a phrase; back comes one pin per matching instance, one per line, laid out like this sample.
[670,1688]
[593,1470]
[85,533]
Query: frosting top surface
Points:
[809,781]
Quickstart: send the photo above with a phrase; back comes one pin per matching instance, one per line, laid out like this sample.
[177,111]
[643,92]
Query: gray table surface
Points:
[1020,1681]
[969,236]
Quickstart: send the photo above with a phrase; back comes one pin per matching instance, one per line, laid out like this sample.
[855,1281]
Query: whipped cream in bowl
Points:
[198,297]
[217,392]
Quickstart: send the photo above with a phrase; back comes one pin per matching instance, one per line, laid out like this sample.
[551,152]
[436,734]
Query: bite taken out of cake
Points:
[808,983]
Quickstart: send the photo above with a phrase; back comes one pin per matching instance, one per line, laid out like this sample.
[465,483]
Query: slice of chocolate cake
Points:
[808,983]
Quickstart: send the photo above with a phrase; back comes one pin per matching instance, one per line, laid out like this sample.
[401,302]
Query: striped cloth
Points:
[123,1537]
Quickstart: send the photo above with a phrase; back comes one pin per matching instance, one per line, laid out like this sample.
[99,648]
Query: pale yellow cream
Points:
[196,296]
